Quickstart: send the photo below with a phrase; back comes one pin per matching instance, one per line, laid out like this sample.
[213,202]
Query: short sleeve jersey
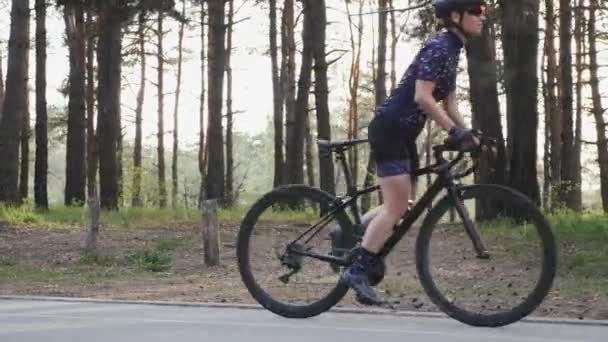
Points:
[437,61]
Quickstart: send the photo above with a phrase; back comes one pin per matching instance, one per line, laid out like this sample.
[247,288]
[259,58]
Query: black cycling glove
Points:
[462,139]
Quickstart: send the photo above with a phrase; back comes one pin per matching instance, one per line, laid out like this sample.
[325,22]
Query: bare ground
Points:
[39,261]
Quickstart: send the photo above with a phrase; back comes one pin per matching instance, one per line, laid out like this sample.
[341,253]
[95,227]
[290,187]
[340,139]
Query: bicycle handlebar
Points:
[485,143]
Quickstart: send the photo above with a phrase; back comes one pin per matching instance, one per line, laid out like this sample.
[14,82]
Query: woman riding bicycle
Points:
[430,79]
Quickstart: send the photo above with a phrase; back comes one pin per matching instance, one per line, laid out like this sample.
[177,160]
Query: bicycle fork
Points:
[469,225]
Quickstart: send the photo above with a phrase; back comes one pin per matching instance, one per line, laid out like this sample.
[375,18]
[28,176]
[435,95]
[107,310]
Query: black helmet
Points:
[445,7]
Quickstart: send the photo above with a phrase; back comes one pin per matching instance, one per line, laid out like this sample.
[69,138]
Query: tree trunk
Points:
[568,185]
[278,97]
[486,111]
[546,194]
[15,104]
[380,82]
[318,26]
[1,85]
[24,172]
[109,61]
[160,135]
[215,166]
[394,41]
[520,42]
[41,164]
[295,169]
[229,192]
[76,140]
[293,143]
[353,106]
[552,109]
[201,141]
[310,164]
[180,47]
[579,28]
[92,150]
[598,111]
[119,155]
[137,148]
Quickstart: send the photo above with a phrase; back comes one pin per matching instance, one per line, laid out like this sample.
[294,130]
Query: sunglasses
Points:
[477,11]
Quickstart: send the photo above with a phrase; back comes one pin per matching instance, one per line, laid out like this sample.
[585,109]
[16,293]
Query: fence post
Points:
[211,234]
[92,229]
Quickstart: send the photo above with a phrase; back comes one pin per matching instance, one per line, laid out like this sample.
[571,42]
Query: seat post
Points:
[351,188]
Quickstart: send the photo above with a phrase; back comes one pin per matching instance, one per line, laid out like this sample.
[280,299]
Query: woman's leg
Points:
[395,191]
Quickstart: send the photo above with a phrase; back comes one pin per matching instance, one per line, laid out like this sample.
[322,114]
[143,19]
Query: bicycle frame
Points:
[446,180]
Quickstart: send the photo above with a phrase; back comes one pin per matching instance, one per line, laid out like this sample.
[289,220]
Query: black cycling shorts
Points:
[393,148]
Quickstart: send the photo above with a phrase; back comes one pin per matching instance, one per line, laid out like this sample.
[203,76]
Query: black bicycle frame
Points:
[445,180]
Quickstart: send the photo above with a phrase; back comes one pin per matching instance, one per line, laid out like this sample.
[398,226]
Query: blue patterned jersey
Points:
[437,61]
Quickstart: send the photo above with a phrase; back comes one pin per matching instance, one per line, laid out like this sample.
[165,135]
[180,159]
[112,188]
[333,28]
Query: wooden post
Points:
[90,242]
[211,235]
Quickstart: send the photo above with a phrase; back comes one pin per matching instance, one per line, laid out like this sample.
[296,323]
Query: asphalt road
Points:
[28,321]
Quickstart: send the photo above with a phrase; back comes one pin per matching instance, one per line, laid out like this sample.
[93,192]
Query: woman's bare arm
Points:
[425,100]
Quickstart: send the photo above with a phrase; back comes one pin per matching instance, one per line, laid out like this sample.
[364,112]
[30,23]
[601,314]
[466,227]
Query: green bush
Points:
[155,261]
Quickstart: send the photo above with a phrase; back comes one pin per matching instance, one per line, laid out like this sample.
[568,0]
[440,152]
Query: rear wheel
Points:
[487,292]
[276,230]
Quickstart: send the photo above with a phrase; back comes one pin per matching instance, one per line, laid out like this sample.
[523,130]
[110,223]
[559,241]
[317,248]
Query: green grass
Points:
[583,239]
[65,217]
[6,262]
[34,275]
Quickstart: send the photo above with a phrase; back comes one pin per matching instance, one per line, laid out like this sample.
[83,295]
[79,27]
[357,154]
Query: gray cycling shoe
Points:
[356,277]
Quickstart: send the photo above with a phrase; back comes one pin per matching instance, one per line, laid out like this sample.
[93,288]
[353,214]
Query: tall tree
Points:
[568,187]
[217,60]
[15,104]
[229,191]
[160,134]
[90,99]
[598,110]
[141,94]
[294,139]
[180,54]
[277,93]
[486,110]
[1,84]
[202,146]
[41,162]
[394,41]
[318,25]
[353,83]
[579,29]
[112,15]
[109,61]
[552,110]
[380,83]
[520,42]
[24,172]
[76,138]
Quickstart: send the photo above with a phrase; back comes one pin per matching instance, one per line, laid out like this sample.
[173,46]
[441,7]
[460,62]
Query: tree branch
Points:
[399,10]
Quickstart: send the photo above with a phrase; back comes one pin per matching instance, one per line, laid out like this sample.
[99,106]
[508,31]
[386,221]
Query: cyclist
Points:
[430,79]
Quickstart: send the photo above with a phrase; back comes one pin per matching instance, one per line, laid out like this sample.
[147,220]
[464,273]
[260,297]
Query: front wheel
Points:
[472,288]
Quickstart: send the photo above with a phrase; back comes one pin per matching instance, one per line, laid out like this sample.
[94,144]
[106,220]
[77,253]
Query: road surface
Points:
[29,321]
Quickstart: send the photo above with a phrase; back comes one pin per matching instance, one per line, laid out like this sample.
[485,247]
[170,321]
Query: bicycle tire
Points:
[543,283]
[278,196]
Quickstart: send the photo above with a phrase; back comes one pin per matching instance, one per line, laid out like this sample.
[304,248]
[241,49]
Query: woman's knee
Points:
[396,210]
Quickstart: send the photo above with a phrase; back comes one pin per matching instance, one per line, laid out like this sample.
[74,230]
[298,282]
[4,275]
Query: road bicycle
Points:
[484,254]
